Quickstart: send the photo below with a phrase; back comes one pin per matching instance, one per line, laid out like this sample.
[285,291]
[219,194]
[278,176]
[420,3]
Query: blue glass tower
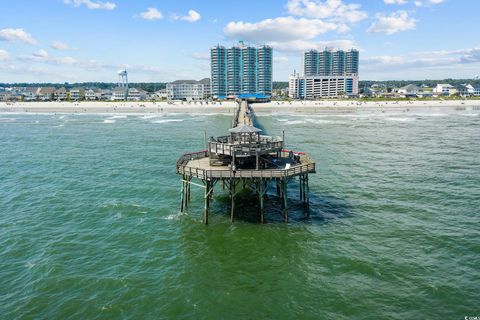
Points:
[241,69]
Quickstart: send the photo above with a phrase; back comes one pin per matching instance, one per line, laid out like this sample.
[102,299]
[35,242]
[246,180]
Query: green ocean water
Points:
[90,225]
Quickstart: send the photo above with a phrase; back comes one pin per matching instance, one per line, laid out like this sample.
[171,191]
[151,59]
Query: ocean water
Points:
[90,225]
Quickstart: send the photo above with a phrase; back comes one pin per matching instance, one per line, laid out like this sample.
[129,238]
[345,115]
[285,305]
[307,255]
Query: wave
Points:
[109,121]
[168,120]
[8,119]
[292,122]
[151,116]
[400,119]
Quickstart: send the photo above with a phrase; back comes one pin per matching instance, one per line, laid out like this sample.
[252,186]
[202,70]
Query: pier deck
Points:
[198,165]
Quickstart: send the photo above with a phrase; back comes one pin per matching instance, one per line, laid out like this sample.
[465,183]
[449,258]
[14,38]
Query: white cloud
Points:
[335,10]
[280,29]
[395,1]
[420,3]
[90,4]
[42,54]
[4,55]
[59,45]
[10,34]
[151,14]
[395,22]
[429,59]
[192,16]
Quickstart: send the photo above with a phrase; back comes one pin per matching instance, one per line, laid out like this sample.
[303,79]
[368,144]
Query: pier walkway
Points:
[244,115]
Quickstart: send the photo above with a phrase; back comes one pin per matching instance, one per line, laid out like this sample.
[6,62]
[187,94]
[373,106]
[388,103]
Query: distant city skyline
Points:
[162,41]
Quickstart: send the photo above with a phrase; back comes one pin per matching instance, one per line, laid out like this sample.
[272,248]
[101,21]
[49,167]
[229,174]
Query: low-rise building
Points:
[93,94]
[77,94]
[189,90]
[119,94]
[476,91]
[4,95]
[61,94]
[318,87]
[409,91]
[30,94]
[90,94]
[444,89]
[135,94]
[105,94]
[465,90]
[161,94]
[46,93]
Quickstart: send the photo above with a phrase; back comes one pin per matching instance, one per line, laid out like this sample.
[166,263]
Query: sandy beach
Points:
[343,106]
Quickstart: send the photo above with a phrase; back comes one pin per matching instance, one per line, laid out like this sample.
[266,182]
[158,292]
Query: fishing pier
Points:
[245,159]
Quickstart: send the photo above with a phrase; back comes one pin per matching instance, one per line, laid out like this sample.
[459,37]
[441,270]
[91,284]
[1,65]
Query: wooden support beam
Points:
[300,183]
[232,196]
[182,197]
[207,202]
[307,196]
[285,199]
[261,187]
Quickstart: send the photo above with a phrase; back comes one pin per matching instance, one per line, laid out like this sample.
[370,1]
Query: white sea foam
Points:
[109,121]
[118,117]
[315,121]
[168,120]
[8,119]
[175,216]
[324,121]
[469,114]
[153,116]
[400,119]
[293,122]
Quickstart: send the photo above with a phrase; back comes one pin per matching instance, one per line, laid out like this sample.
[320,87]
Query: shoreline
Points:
[330,106]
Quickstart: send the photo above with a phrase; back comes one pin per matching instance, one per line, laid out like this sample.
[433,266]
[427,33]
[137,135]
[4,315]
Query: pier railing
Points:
[223,145]
[306,166]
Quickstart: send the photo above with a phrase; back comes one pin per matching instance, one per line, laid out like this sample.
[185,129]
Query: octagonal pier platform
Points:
[245,159]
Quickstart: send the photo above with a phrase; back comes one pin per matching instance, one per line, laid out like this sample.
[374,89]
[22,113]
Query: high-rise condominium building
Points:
[331,63]
[240,70]
[327,74]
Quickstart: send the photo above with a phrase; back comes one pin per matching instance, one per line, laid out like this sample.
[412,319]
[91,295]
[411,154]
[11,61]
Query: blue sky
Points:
[164,40]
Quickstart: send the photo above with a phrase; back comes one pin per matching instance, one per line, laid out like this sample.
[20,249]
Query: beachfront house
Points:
[476,91]
[93,94]
[444,89]
[409,91]
[30,94]
[119,94]
[161,94]
[189,90]
[4,96]
[465,90]
[105,94]
[77,94]
[136,94]
[61,94]
[46,93]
